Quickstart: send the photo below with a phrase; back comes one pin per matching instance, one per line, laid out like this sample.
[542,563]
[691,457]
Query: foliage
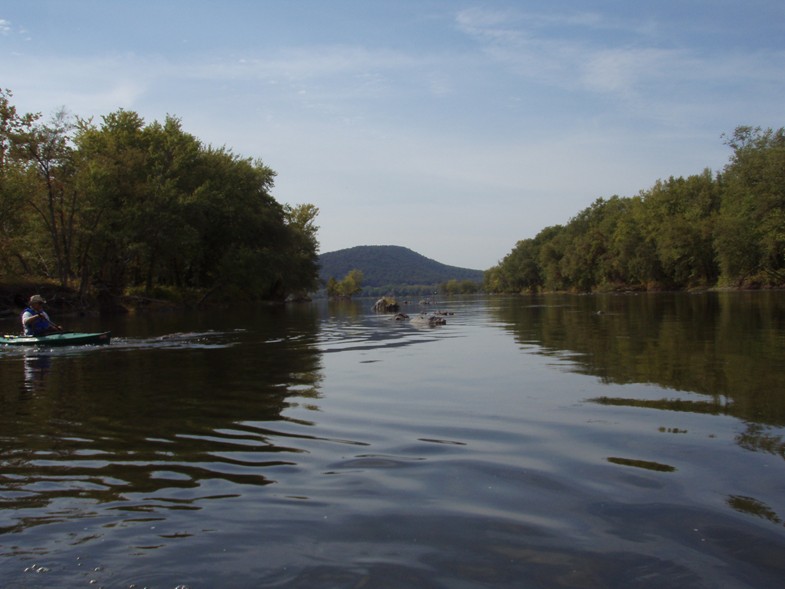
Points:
[751,238]
[407,290]
[120,205]
[682,233]
[348,286]
[305,246]
[456,287]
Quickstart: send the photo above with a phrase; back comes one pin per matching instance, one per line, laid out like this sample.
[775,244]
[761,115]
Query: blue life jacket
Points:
[38,326]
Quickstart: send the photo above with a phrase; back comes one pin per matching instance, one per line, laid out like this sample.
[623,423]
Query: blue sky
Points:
[454,128]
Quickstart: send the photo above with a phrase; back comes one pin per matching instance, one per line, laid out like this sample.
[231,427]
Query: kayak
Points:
[57,339]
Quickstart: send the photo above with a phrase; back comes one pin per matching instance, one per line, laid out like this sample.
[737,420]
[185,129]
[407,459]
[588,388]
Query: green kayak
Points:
[57,339]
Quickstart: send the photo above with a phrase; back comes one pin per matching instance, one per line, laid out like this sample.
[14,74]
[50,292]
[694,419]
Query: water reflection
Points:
[36,366]
[141,422]
[754,507]
[727,347]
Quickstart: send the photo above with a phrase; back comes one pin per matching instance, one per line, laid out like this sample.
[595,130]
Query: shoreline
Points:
[66,301]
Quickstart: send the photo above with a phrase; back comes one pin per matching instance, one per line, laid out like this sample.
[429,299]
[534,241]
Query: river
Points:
[541,442]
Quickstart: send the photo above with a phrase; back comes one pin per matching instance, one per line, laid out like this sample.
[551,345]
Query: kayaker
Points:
[35,320]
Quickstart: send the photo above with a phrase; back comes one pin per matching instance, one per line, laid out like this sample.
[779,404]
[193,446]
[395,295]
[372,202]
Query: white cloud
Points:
[642,75]
[5,26]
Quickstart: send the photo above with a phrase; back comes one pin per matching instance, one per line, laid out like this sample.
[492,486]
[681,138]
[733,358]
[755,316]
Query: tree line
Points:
[125,206]
[706,230]
[352,284]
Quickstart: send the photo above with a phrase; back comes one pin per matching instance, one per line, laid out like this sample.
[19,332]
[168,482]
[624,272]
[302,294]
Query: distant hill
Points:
[385,265]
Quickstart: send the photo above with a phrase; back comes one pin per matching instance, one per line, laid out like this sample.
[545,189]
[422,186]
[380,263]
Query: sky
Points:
[454,128]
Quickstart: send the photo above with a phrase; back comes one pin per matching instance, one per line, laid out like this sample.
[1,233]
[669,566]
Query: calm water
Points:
[582,442]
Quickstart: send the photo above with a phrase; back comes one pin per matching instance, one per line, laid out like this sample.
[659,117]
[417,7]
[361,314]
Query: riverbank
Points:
[14,297]
[65,301]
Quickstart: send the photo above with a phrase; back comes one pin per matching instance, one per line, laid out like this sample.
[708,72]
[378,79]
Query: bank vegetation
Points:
[704,231]
[123,207]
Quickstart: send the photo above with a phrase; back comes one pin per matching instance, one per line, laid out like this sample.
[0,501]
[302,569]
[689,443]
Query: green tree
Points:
[632,260]
[165,237]
[458,287]
[332,287]
[122,204]
[348,286]
[239,220]
[493,280]
[523,269]
[114,179]
[750,237]
[50,191]
[164,210]
[15,178]
[587,237]
[304,247]
[351,283]
[682,214]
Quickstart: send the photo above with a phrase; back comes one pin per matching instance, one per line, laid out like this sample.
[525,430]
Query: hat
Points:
[37,299]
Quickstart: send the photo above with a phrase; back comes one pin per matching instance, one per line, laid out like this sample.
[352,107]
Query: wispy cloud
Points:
[633,66]
[5,26]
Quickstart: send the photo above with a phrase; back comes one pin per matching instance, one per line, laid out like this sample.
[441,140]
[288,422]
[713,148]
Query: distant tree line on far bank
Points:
[702,231]
[124,206]
[352,284]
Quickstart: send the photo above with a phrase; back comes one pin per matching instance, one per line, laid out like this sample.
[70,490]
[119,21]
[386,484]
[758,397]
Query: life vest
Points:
[39,325]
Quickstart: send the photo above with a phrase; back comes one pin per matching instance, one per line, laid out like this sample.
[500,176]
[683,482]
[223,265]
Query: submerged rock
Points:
[429,320]
[386,305]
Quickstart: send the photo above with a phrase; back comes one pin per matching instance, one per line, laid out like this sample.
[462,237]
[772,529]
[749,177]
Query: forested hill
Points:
[384,265]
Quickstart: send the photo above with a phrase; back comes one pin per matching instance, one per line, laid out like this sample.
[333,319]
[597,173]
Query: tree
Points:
[124,205]
[349,285]
[303,251]
[238,219]
[681,217]
[632,260]
[50,190]
[166,237]
[169,212]
[551,252]
[14,179]
[750,237]
[332,287]
[114,179]
[457,287]
[520,268]
[587,236]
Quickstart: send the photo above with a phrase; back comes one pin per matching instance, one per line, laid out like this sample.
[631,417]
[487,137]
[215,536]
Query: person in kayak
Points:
[35,320]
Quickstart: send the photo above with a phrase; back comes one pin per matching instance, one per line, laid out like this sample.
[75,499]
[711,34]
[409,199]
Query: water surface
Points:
[619,441]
